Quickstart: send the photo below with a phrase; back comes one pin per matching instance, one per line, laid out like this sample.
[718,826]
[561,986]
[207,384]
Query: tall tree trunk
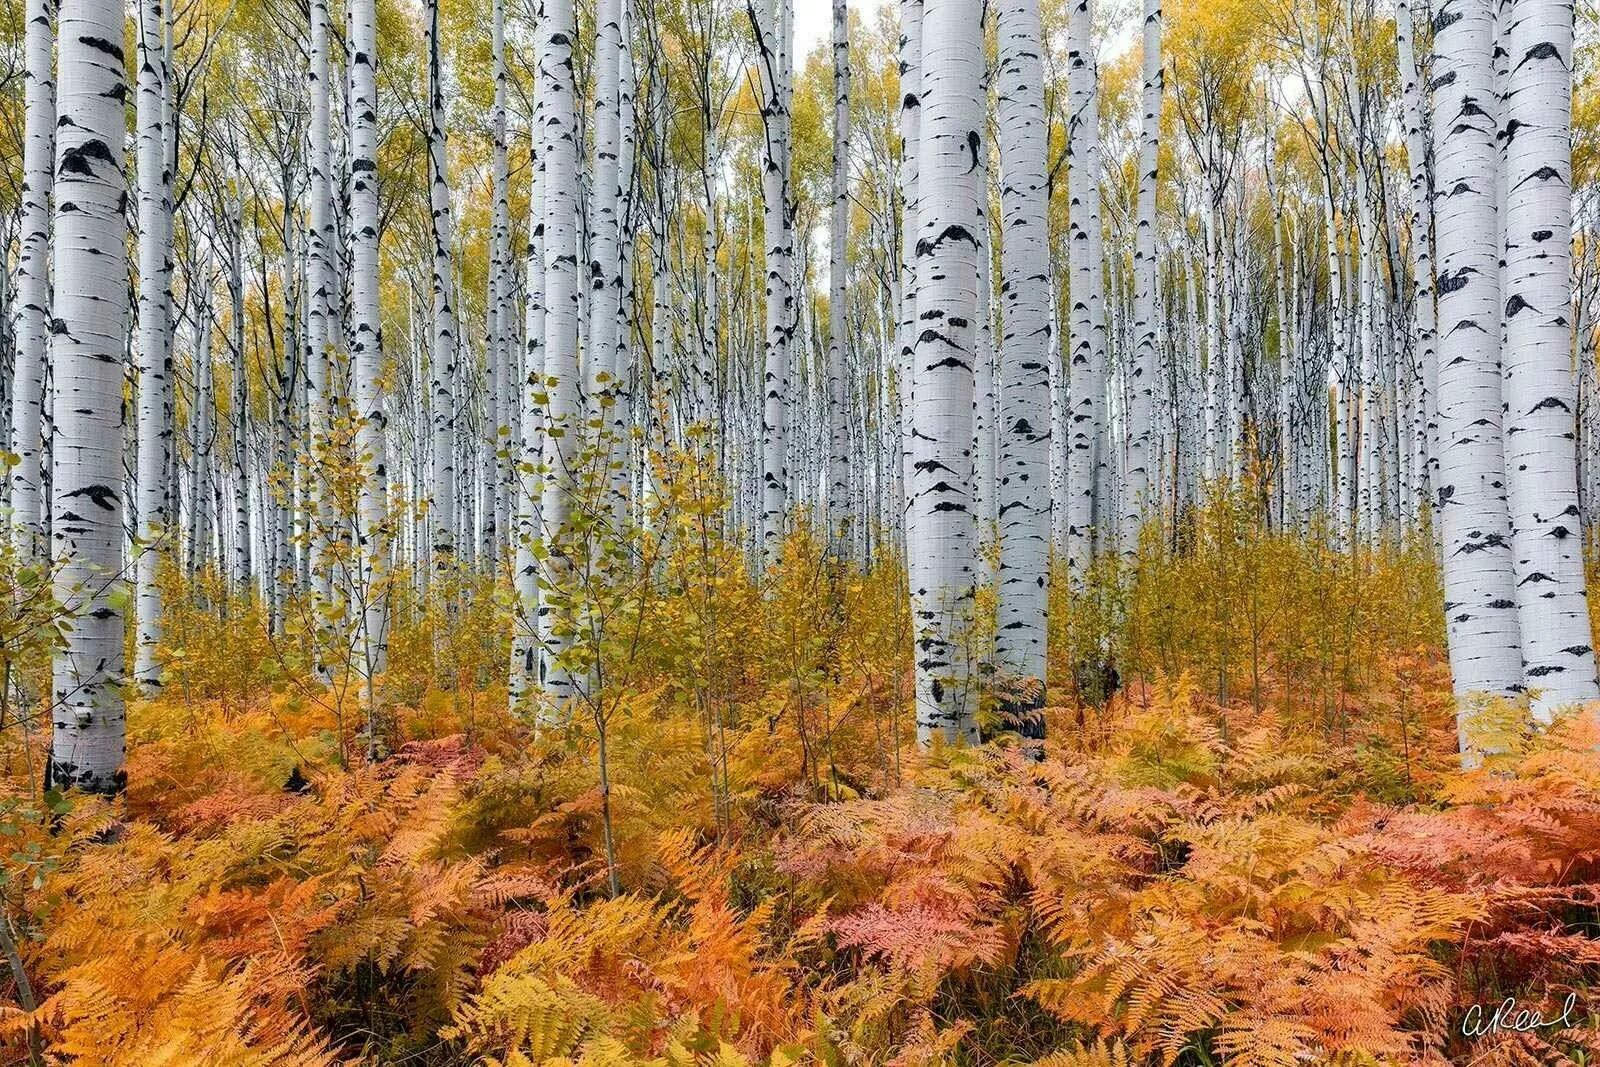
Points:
[558,149]
[605,263]
[29,514]
[1540,390]
[911,14]
[1140,492]
[1088,363]
[839,518]
[88,351]
[525,633]
[152,534]
[1426,340]
[941,538]
[501,325]
[321,313]
[442,356]
[770,20]
[1484,636]
[1026,352]
[366,347]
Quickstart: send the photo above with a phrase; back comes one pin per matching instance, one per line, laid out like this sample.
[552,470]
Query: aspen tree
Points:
[29,510]
[154,345]
[1480,607]
[88,351]
[1539,388]
[1026,352]
[941,536]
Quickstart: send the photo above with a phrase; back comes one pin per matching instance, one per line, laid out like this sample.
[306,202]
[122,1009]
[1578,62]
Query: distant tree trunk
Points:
[839,518]
[1484,637]
[88,353]
[321,314]
[1088,366]
[771,24]
[442,356]
[1426,339]
[1540,389]
[497,412]
[525,632]
[911,14]
[1140,493]
[941,537]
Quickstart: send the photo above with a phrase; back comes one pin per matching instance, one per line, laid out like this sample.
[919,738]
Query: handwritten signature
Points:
[1508,1018]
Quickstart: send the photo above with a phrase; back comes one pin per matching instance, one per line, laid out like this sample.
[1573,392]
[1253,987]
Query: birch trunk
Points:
[1139,495]
[1026,355]
[941,537]
[366,345]
[1540,390]
[321,316]
[771,26]
[154,343]
[1484,636]
[442,359]
[558,148]
[1088,364]
[88,351]
[29,513]
[839,518]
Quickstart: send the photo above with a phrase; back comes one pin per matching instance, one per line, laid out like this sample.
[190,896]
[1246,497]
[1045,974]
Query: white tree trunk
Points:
[526,477]
[1540,389]
[1426,350]
[558,151]
[496,486]
[88,350]
[366,343]
[442,357]
[29,514]
[771,23]
[154,500]
[1026,354]
[941,541]
[839,517]
[911,12]
[1140,493]
[1088,363]
[321,280]
[1484,637]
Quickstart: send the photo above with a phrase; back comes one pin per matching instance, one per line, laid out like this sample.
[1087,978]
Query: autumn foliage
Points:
[1258,850]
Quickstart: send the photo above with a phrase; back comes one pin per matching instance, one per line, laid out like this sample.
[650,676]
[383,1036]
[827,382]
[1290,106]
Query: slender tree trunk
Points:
[1140,492]
[771,24]
[29,513]
[154,342]
[559,153]
[321,315]
[442,357]
[839,517]
[366,347]
[1088,364]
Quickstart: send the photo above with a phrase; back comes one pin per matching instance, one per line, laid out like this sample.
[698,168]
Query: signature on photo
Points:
[1507,1017]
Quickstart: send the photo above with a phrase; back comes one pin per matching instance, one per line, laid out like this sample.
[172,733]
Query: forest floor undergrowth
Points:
[1290,875]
